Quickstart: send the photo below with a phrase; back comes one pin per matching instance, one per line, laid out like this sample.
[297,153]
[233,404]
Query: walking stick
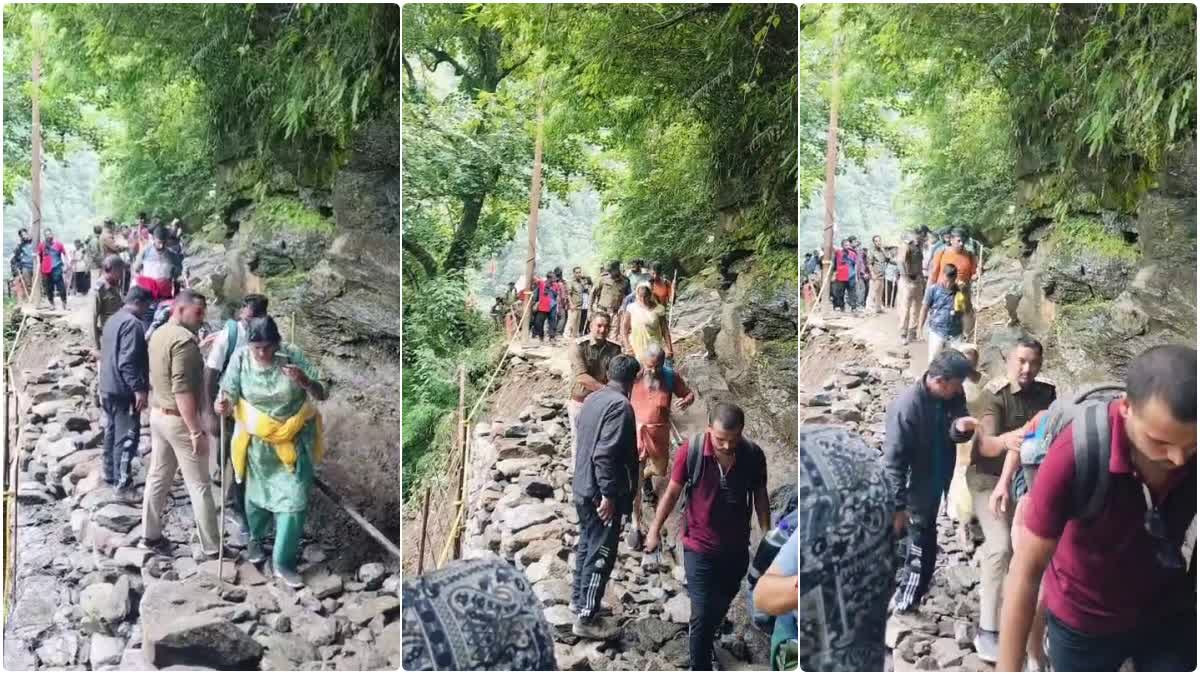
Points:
[221,542]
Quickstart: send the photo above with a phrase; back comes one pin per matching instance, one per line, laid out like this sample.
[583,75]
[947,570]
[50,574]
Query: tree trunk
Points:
[459,255]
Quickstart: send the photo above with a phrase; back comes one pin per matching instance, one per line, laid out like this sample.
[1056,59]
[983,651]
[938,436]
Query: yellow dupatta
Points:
[278,434]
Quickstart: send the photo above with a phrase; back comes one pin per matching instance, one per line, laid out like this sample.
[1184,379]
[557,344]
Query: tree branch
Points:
[507,71]
[441,57]
[412,79]
[422,256]
[714,7]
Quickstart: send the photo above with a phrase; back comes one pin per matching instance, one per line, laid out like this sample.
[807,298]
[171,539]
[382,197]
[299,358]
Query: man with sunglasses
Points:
[1120,585]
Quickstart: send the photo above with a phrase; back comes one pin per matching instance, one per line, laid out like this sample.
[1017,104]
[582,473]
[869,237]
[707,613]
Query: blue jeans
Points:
[713,581]
[120,438]
[1165,646]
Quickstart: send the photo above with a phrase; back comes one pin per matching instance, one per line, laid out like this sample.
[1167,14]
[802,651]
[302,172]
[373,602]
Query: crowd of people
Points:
[620,402]
[240,390]
[930,275]
[1087,507]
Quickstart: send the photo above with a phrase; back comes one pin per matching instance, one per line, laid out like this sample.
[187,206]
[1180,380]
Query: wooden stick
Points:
[460,449]
[358,518]
[424,532]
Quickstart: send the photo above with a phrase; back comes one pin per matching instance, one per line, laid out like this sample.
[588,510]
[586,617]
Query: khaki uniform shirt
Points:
[588,358]
[107,301]
[176,366]
[609,293]
[1012,408]
[575,294]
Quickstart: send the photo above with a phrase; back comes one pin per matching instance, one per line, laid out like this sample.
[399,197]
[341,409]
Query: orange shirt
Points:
[961,261]
[661,290]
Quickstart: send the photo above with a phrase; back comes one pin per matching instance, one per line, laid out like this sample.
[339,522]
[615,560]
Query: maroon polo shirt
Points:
[1104,578]
[718,518]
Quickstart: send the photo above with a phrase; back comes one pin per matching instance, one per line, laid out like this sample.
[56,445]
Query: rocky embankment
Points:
[87,598]
[522,511]
[939,636]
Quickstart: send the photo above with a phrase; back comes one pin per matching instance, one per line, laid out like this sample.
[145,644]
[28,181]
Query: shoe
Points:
[255,553]
[289,577]
[987,646]
[159,545]
[715,663]
[904,340]
[594,629]
[230,554]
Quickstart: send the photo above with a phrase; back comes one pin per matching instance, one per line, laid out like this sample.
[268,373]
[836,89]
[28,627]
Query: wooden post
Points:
[35,169]
[535,201]
[461,452]
[671,300]
[831,153]
[424,532]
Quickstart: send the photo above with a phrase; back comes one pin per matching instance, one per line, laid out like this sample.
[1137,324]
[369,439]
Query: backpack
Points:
[1088,416]
[231,338]
[695,469]
[763,557]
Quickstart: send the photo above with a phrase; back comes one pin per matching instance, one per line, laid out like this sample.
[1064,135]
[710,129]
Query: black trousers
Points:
[538,324]
[837,293]
[1167,647]
[52,282]
[120,438]
[920,558]
[713,582]
[595,556]
[83,282]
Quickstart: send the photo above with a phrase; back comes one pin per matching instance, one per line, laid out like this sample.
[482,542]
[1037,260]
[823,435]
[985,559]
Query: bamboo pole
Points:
[424,533]
[35,169]
[460,450]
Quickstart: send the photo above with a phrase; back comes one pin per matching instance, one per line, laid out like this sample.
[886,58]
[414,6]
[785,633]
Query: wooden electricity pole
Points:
[535,200]
[831,152]
[33,294]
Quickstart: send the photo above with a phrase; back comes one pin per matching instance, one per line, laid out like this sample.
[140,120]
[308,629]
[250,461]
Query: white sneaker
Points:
[987,646]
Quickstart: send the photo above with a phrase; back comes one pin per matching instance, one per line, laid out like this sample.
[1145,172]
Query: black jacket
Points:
[124,358]
[919,446]
[606,449]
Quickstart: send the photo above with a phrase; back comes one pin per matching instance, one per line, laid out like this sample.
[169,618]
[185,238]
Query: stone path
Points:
[86,598]
[939,636]
[521,511]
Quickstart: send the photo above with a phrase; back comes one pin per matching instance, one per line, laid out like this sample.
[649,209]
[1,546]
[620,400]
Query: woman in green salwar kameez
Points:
[267,387]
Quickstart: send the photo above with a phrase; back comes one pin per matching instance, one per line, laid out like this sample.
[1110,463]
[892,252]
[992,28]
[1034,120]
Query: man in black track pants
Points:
[606,463]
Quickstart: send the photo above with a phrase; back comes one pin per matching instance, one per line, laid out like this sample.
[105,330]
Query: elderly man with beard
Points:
[651,400]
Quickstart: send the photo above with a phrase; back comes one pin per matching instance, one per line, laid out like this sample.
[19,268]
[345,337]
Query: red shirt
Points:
[718,519]
[48,259]
[1104,578]
[841,262]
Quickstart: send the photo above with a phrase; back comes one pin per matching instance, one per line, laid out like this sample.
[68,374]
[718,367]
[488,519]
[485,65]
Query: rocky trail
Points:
[86,598]
[851,370]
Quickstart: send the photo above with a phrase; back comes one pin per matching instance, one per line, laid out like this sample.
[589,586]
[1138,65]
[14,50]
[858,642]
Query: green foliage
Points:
[441,331]
[179,89]
[1021,110]
[1090,234]
[287,213]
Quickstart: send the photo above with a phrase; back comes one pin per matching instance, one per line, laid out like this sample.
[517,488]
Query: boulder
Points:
[322,583]
[361,611]
[203,639]
[49,409]
[59,650]
[129,556]
[77,423]
[537,487]
[540,444]
[316,629]
[947,653]
[553,591]
[652,633]
[538,550]
[105,650]
[118,517]
[516,431]
[229,571]
[528,515]
[678,609]
[372,575]
[32,613]
[291,647]
[106,603]
[512,467]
